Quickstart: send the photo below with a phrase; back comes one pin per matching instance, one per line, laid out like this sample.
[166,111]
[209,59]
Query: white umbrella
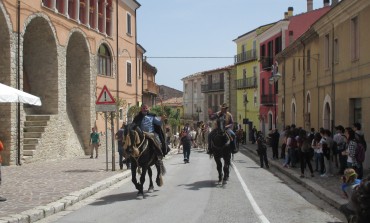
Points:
[9,94]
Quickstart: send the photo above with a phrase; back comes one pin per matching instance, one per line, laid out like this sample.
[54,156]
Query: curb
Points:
[326,195]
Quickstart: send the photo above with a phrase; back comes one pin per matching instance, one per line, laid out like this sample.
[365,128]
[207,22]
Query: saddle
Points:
[151,136]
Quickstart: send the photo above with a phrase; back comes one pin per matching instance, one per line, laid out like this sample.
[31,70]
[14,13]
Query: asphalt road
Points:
[191,193]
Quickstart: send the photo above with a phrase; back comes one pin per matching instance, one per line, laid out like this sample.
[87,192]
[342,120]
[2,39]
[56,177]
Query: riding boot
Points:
[233,147]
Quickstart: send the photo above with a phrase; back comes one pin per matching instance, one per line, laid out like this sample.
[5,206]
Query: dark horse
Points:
[221,149]
[140,148]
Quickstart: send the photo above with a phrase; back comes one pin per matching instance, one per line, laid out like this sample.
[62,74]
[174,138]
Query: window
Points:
[357,109]
[128,72]
[336,50]
[255,98]
[104,61]
[210,101]
[308,60]
[327,51]
[195,88]
[354,39]
[299,65]
[129,24]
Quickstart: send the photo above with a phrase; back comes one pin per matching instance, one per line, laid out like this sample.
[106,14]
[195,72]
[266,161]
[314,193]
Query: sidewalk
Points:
[327,188]
[34,191]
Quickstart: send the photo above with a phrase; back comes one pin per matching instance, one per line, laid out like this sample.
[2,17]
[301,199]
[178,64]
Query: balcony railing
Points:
[151,87]
[250,82]
[212,87]
[266,63]
[267,100]
[245,56]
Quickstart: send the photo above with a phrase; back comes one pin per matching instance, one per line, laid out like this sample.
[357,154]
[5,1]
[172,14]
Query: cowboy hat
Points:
[224,105]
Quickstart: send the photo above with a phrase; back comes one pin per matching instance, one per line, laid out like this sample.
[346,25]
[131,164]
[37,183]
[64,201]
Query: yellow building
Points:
[247,88]
[325,73]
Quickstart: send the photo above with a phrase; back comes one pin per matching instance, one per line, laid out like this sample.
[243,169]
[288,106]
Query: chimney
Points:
[290,12]
[309,5]
[285,15]
[327,3]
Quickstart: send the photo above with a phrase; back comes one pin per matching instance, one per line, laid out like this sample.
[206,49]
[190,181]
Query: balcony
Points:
[267,100]
[250,82]
[245,56]
[205,88]
[266,63]
[151,87]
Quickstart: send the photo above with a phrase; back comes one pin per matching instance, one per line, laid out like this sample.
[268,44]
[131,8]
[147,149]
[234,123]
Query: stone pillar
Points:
[77,10]
[65,8]
[53,5]
[96,15]
[87,13]
[104,28]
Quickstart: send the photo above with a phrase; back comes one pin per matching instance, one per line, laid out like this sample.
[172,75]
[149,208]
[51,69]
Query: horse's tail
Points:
[162,167]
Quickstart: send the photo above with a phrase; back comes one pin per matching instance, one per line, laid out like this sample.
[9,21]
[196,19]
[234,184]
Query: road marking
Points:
[256,209]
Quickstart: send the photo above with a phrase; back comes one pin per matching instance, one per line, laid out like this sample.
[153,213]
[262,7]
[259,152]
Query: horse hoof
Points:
[224,182]
[140,195]
[151,190]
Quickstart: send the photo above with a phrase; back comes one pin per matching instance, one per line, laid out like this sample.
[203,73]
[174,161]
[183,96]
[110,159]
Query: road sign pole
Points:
[106,140]
[113,149]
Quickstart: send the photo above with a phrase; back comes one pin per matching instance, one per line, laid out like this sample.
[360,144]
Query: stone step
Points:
[32,135]
[35,123]
[34,129]
[37,117]
[29,147]
[28,152]
[31,141]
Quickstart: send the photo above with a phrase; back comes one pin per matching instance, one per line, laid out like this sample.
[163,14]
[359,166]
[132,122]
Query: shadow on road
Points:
[200,184]
[121,197]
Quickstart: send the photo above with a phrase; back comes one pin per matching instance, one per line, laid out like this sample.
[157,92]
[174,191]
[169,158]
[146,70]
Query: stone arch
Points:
[6,77]
[40,64]
[326,113]
[293,111]
[78,84]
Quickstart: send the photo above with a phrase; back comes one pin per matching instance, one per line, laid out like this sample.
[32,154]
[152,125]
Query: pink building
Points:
[272,42]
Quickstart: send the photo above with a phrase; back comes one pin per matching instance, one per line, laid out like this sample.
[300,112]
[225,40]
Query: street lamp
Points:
[273,81]
[245,120]
[199,110]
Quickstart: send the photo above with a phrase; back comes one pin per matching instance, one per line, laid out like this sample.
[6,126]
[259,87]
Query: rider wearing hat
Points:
[229,123]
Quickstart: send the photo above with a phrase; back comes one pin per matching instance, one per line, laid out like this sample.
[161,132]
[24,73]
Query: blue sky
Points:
[201,28]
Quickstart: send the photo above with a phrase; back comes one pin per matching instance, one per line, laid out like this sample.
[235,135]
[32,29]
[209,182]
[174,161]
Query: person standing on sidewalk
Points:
[275,136]
[360,138]
[1,161]
[328,153]
[340,139]
[94,143]
[350,151]
[318,157]
[262,150]
[305,145]
[121,154]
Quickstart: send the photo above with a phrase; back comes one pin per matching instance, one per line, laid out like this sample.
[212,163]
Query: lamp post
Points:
[199,110]
[273,81]
[245,120]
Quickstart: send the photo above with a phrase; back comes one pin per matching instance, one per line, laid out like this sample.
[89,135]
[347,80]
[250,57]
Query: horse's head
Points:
[133,139]
[220,139]
[221,123]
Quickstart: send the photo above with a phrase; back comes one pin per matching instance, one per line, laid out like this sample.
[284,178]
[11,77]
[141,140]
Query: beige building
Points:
[64,52]
[325,73]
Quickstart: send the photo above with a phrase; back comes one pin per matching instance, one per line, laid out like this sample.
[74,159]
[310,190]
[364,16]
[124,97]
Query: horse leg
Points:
[219,168]
[159,179]
[151,187]
[133,177]
[227,163]
[142,180]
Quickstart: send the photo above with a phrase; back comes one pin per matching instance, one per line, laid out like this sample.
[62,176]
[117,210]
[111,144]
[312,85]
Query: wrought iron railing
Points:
[245,56]
[250,82]
[267,100]
[212,87]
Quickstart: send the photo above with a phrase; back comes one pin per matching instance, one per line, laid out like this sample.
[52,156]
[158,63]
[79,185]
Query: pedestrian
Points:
[121,152]
[349,183]
[185,141]
[340,139]
[94,143]
[360,138]
[304,143]
[262,150]
[327,146]
[275,136]
[361,201]
[1,161]
[253,135]
[351,149]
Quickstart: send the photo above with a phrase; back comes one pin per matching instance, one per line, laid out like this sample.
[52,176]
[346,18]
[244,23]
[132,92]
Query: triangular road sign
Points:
[105,97]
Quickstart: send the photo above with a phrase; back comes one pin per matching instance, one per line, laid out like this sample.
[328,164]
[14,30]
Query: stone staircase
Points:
[34,127]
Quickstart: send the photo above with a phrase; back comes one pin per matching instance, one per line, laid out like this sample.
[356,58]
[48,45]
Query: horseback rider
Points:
[150,123]
[229,123]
